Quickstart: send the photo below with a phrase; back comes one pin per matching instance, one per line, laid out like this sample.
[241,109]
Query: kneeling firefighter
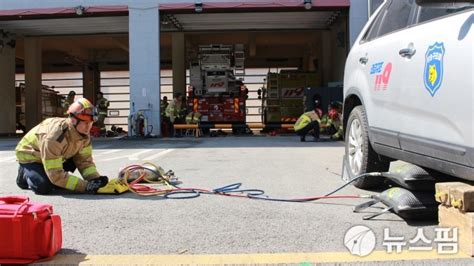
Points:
[308,122]
[50,152]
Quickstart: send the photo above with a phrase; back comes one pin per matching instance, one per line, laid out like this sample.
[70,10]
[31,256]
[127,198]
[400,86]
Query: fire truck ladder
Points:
[239,58]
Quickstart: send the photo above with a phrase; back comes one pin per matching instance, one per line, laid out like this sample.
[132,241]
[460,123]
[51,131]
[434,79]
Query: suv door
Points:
[383,70]
[373,74]
[436,104]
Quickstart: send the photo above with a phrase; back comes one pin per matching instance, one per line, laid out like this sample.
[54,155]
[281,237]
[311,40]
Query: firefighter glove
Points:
[94,184]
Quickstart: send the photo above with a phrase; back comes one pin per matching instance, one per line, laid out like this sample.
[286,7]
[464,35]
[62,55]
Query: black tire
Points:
[360,156]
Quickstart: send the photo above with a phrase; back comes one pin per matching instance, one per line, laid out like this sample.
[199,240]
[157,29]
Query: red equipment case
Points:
[29,231]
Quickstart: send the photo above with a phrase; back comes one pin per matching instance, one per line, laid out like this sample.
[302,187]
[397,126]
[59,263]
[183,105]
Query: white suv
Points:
[409,90]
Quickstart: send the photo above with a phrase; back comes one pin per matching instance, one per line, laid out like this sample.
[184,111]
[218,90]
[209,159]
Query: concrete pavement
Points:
[130,225]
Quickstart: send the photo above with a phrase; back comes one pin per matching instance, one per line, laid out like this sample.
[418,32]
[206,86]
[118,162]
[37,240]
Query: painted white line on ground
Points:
[126,155]
[107,152]
[151,158]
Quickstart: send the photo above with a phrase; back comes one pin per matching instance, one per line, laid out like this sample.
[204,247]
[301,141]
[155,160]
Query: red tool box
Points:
[29,231]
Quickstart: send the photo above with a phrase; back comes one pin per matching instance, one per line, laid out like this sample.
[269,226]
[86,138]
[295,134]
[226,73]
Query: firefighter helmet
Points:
[82,109]
[333,114]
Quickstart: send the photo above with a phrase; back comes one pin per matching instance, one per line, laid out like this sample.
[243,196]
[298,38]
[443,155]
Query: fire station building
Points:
[137,51]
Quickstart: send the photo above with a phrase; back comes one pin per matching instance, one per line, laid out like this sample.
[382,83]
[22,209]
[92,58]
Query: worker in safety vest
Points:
[69,100]
[164,122]
[164,104]
[172,112]
[50,152]
[102,107]
[334,121]
[308,122]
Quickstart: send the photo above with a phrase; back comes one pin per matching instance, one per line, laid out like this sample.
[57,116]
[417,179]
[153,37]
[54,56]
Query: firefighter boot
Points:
[20,179]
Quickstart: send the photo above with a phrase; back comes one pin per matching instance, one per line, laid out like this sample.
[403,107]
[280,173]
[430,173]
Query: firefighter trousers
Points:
[36,178]
[314,126]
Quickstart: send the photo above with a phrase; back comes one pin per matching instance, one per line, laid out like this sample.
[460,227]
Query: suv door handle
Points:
[363,60]
[407,52]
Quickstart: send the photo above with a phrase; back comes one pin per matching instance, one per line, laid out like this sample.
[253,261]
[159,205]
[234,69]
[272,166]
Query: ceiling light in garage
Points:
[198,6]
[79,10]
[307,4]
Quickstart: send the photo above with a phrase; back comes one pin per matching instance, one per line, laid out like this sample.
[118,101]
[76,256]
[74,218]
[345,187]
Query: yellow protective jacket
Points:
[305,119]
[102,106]
[52,142]
[193,118]
[172,110]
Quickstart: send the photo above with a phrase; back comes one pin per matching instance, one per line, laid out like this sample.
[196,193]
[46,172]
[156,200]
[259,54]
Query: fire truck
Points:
[52,104]
[283,96]
[215,90]
[290,93]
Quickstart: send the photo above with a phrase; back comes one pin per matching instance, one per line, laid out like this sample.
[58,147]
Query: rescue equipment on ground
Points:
[115,186]
[419,204]
[412,177]
[29,231]
[148,172]
[130,176]
[134,177]
[410,205]
[416,205]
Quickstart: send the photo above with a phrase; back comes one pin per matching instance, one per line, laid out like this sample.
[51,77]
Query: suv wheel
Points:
[360,156]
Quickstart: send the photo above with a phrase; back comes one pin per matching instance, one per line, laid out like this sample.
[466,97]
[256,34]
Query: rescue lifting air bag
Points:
[411,177]
[409,205]
[29,231]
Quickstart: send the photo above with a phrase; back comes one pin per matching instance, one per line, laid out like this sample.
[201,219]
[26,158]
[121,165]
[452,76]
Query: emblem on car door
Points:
[381,71]
[433,73]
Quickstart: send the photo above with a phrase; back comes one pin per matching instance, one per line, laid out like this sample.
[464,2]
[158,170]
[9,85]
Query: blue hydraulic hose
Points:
[250,193]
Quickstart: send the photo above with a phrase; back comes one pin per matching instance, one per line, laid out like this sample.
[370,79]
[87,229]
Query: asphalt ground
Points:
[210,229]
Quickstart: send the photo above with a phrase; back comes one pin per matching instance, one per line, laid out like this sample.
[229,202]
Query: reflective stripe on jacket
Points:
[305,119]
[193,118]
[51,143]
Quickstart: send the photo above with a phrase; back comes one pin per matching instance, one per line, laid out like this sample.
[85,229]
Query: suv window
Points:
[374,4]
[371,32]
[396,16]
[426,13]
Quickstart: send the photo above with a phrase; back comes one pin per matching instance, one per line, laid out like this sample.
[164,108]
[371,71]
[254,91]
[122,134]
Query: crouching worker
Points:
[308,122]
[50,152]
[334,123]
